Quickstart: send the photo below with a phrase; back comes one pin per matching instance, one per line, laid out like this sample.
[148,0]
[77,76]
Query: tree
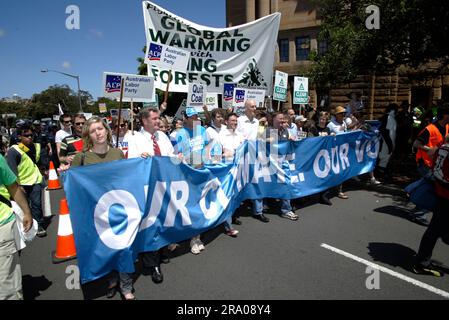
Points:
[412,33]
[142,68]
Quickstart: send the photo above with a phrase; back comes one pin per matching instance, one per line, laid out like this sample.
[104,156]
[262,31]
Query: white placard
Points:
[258,95]
[211,101]
[280,86]
[163,56]
[238,100]
[196,96]
[137,88]
[126,113]
[301,90]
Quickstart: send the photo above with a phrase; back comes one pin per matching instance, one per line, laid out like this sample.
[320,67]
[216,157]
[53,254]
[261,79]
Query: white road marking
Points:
[388,271]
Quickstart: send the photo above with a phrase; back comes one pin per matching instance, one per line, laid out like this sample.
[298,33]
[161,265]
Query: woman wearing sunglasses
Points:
[124,135]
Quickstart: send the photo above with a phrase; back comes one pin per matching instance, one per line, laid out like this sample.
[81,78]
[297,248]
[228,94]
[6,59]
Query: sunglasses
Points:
[67,122]
[79,123]
[123,125]
[27,135]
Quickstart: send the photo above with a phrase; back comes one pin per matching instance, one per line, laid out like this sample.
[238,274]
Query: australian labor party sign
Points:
[280,86]
[166,57]
[301,90]
[241,54]
[136,88]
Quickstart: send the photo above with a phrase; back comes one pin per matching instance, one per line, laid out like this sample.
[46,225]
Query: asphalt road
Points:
[280,260]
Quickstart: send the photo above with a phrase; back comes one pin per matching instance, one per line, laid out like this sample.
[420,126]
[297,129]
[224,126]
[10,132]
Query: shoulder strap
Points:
[83,156]
[5,201]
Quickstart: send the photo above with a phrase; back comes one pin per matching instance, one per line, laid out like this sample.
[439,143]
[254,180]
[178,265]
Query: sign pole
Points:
[132,117]
[122,84]
[168,86]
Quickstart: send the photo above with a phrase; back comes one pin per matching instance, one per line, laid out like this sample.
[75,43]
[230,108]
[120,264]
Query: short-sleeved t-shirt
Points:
[192,143]
[7,177]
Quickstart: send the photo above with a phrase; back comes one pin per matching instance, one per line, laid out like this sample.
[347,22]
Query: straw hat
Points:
[339,109]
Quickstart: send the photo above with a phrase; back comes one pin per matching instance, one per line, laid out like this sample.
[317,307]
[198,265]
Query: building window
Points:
[283,50]
[302,48]
[322,46]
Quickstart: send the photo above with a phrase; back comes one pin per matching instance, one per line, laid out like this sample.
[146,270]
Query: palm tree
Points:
[142,68]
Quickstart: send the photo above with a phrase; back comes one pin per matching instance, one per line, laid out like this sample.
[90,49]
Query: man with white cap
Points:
[191,144]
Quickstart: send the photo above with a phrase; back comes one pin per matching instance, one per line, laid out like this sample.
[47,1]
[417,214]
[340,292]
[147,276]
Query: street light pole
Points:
[72,76]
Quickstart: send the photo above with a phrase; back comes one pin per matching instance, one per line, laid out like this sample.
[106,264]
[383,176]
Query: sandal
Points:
[130,296]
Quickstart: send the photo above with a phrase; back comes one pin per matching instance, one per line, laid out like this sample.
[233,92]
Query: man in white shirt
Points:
[149,142]
[66,130]
[247,124]
[218,118]
[229,137]
[142,143]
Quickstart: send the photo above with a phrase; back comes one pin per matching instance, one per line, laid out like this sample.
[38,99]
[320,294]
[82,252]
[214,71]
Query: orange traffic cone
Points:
[53,181]
[65,244]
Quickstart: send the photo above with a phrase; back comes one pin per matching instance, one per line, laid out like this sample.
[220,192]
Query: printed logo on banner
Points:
[155,52]
[113,83]
[239,96]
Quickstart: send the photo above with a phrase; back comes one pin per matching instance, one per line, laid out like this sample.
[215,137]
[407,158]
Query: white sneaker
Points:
[290,215]
[195,249]
[374,181]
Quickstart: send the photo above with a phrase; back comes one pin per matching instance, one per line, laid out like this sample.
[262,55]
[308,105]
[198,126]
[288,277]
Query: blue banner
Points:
[121,208]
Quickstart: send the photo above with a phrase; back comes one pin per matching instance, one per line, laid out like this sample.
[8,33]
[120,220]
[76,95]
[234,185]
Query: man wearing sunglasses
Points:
[73,143]
[66,130]
[24,159]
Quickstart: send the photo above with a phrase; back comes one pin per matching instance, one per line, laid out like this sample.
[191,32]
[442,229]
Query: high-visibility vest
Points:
[435,140]
[27,171]
[6,213]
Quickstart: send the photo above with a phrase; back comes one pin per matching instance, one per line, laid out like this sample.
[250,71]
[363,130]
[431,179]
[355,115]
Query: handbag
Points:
[422,193]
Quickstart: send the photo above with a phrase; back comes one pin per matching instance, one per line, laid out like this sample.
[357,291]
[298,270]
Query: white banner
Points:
[242,54]
[301,90]
[167,57]
[136,88]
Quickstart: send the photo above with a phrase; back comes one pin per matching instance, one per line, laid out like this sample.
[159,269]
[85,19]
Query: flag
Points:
[60,109]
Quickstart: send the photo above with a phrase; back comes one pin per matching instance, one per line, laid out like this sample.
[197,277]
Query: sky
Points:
[33,36]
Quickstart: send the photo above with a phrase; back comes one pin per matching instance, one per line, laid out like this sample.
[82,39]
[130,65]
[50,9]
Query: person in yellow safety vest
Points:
[10,272]
[23,159]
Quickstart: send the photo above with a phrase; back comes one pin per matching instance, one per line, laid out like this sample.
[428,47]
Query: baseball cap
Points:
[190,112]
[300,118]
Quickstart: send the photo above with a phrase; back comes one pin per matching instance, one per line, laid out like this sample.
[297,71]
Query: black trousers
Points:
[151,259]
[438,228]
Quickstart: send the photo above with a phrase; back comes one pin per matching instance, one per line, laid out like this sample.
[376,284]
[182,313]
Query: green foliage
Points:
[412,32]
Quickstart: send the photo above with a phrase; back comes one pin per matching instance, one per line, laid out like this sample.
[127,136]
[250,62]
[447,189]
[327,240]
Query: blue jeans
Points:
[258,206]
[425,172]
[34,194]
